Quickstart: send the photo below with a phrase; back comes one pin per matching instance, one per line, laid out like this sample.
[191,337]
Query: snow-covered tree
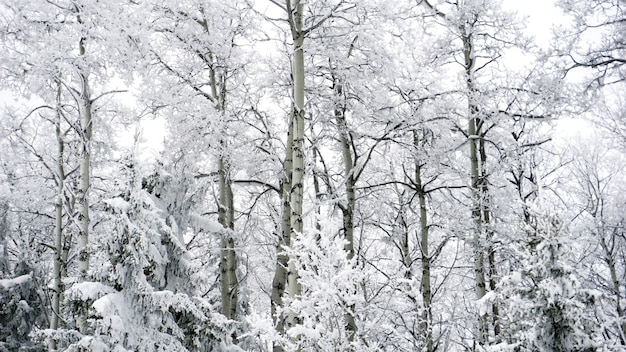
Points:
[596,188]
[21,310]
[146,290]
[546,306]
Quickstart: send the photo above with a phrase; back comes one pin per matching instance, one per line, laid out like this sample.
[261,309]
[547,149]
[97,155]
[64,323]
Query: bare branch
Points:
[258,183]
[107,93]
[184,79]
[325,18]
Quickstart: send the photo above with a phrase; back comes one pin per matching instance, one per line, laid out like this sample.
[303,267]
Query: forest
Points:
[320,175]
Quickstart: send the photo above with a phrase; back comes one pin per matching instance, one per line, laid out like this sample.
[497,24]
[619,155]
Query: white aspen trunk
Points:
[228,257]
[479,261]
[425,325]
[222,219]
[82,195]
[279,282]
[491,254]
[348,210]
[226,210]
[57,283]
[348,170]
[229,201]
[477,196]
[233,280]
[318,194]
[4,253]
[610,262]
[229,283]
[318,198]
[297,185]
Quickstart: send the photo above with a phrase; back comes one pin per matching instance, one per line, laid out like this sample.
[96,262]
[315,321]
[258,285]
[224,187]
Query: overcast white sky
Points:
[541,16]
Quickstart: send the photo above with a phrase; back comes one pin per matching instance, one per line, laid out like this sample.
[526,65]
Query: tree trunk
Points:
[318,193]
[297,185]
[228,258]
[229,282]
[57,283]
[491,253]
[426,310]
[279,282]
[610,262]
[233,280]
[4,251]
[348,210]
[474,131]
[82,195]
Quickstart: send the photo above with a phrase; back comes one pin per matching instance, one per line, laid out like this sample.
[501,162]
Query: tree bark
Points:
[57,283]
[82,195]
[226,208]
[297,186]
[228,258]
[610,262]
[279,283]
[318,194]
[348,209]
[474,132]
[491,253]
[425,325]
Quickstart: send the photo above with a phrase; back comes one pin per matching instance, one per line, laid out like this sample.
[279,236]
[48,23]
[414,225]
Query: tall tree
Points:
[59,260]
[206,69]
[486,34]
[296,198]
[597,177]
[295,12]
[83,96]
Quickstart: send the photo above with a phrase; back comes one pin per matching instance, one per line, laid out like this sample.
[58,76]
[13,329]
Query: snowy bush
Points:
[547,309]
[20,312]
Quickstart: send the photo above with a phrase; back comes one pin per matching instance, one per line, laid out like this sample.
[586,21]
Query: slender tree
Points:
[598,176]
[85,133]
[214,57]
[296,198]
[59,262]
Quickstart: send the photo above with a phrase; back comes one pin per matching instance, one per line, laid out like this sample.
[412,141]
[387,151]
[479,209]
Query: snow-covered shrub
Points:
[21,310]
[330,292]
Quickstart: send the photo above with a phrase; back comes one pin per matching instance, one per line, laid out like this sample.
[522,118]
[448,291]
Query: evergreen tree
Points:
[547,307]
[145,295]
[21,310]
